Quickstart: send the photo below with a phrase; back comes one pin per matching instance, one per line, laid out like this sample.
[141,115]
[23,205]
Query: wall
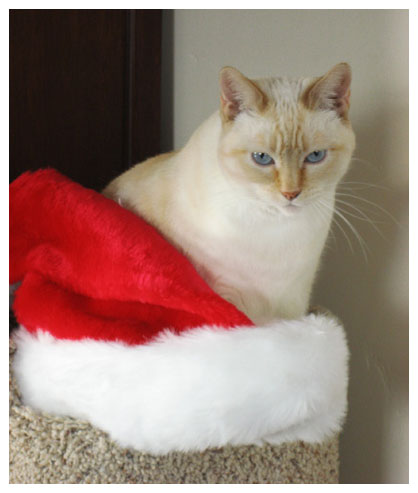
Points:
[369,295]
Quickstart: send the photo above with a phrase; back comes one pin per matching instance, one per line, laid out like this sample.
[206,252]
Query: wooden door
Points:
[84,91]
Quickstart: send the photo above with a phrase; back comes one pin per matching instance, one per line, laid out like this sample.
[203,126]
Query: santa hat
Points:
[118,328]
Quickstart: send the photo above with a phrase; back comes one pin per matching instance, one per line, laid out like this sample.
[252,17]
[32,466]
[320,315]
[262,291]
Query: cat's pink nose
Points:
[291,195]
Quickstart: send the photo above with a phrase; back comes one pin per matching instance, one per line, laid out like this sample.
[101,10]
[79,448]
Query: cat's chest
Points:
[265,274]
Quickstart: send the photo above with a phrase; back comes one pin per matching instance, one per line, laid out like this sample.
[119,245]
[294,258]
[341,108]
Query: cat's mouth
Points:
[287,208]
[290,209]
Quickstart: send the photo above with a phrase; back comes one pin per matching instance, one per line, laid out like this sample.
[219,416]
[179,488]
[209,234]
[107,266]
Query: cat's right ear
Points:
[238,94]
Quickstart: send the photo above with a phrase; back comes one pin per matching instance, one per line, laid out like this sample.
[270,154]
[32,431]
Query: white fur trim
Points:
[205,388]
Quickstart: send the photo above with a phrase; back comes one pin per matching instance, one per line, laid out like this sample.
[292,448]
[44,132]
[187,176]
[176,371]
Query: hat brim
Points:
[205,387]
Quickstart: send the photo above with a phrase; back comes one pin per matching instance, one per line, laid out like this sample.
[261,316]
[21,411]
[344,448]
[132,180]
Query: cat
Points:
[249,199]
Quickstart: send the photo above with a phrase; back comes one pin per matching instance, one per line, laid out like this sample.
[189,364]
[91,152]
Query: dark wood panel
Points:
[82,85]
[146,84]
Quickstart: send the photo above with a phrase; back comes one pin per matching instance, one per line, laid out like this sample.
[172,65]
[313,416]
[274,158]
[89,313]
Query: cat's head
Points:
[288,142]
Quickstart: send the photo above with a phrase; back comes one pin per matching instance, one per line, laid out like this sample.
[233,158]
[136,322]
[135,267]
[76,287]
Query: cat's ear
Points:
[332,91]
[238,94]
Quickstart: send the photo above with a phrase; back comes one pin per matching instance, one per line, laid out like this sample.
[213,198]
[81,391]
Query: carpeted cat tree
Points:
[128,368]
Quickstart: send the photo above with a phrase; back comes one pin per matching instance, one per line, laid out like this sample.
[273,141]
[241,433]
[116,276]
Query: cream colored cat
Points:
[249,199]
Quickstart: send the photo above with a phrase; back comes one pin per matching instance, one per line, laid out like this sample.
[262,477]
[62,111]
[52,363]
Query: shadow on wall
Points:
[371,297]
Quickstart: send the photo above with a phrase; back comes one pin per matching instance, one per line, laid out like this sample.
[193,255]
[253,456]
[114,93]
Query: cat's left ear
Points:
[238,94]
[332,91]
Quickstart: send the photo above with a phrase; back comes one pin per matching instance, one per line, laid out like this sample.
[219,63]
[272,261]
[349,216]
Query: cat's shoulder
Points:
[139,173]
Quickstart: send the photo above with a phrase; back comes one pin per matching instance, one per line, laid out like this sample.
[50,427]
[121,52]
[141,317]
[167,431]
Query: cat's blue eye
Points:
[316,157]
[262,158]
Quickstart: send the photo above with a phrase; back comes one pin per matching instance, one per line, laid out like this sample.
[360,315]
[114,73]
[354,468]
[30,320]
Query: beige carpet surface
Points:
[51,449]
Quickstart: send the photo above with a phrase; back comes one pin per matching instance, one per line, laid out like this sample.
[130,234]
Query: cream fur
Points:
[229,217]
[206,388]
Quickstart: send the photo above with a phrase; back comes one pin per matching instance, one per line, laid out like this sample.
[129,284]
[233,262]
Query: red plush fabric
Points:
[91,269]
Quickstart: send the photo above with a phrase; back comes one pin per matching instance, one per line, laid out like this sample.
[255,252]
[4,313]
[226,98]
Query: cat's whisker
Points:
[334,221]
[363,217]
[345,212]
[361,185]
[364,207]
[351,214]
[371,203]
[325,219]
[360,239]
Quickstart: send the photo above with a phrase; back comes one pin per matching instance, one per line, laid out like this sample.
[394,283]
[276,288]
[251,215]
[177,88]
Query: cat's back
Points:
[145,186]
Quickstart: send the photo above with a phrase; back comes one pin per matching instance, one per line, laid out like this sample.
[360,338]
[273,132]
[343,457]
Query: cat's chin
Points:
[290,210]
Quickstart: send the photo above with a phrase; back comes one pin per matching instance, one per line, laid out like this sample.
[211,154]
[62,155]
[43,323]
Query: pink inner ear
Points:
[342,100]
[229,99]
[343,91]
[346,98]
[230,108]
[342,97]
[228,93]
